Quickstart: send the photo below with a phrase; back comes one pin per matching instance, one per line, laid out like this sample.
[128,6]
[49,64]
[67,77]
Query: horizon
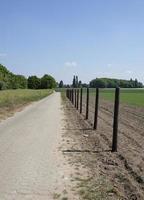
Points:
[70,83]
[101,39]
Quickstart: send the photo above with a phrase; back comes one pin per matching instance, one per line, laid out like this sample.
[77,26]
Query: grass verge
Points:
[12,100]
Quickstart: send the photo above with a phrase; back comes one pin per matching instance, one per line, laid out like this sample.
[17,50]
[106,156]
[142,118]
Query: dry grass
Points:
[14,100]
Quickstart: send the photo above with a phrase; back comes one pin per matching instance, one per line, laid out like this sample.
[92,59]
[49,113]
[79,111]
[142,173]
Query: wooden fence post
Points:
[87,104]
[77,99]
[72,97]
[116,117]
[96,109]
[70,94]
[81,92]
[67,94]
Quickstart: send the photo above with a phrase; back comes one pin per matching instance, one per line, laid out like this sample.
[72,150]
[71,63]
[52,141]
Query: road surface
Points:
[29,157]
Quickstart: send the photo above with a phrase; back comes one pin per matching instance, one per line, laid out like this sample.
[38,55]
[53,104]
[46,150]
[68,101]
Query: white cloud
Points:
[128,72]
[71,64]
[3,54]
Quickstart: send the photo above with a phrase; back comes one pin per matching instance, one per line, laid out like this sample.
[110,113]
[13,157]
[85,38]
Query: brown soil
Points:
[101,174]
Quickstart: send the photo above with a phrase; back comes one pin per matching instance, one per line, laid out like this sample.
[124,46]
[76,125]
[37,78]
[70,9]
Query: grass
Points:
[13,97]
[128,96]
[96,189]
[133,97]
[10,100]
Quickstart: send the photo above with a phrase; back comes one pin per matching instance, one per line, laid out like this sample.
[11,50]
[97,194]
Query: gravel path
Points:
[29,157]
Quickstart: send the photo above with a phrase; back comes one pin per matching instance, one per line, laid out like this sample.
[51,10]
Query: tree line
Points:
[103,83]
[113,83]
[9,80]
[76,83]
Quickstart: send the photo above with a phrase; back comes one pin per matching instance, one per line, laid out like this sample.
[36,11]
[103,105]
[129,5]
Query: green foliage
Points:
[34,82]
[9,80]
[2,85]
[112,83]
[98,82]
[48,82]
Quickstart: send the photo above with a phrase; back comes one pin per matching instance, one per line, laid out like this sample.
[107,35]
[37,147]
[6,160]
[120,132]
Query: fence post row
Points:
[96,109]
[81,92]
[115,123]
[73,96]
[87,104]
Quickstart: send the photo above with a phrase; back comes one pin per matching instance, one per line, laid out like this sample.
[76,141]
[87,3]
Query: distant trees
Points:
[112,83]
[61,84]
[76,83]
[46,82]
[9,80]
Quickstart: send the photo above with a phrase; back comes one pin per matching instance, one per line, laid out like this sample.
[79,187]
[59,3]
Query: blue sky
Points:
[90,38]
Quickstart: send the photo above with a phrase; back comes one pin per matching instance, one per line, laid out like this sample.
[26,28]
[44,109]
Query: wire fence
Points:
[87,102]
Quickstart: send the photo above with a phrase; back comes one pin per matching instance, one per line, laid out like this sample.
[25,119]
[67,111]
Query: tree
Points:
[112,83]
[21,81]
[34,82]
[48,82]
[61,84]
[101,83]
[74,82]
[136,83]
[10,80]
[80,84]
[2,85]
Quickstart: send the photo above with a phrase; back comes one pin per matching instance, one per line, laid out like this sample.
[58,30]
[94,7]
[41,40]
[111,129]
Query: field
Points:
[15,100]
[128,96]
[124,169]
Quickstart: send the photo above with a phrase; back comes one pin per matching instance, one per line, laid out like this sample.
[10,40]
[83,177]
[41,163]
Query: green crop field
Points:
[127,96]
[12,98]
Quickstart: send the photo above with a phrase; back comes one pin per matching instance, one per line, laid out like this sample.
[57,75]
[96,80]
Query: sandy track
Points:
[31,166]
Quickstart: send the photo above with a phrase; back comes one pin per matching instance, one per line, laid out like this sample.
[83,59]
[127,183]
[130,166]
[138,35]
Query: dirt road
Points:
[30,163]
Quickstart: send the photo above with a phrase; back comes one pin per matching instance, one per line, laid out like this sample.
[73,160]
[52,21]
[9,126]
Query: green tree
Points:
[74,82]
[61,84]
[34,82]
[2,85]
[48,81]
[21,81]
[98,82]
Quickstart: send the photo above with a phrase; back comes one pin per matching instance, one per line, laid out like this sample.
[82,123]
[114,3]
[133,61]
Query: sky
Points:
[89,38]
